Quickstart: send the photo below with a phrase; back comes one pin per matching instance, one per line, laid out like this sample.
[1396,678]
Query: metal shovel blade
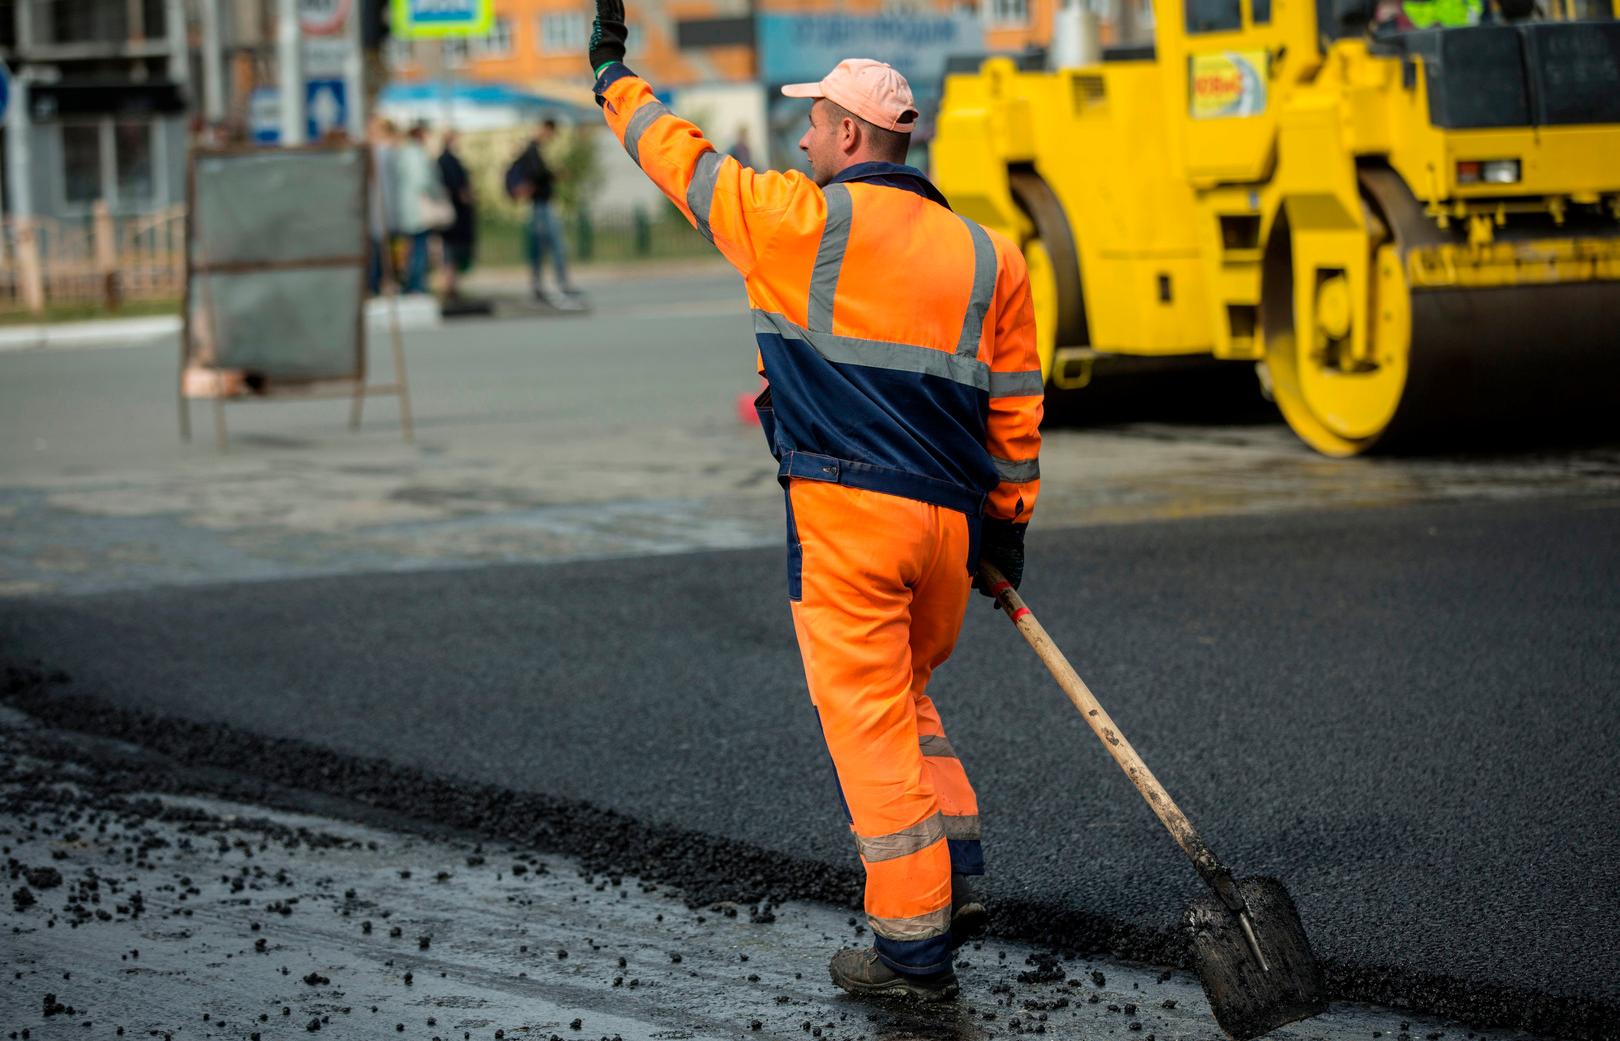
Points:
[1249,1000]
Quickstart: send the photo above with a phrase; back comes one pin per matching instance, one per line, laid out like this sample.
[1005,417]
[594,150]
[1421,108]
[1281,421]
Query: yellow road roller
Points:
[1415,233]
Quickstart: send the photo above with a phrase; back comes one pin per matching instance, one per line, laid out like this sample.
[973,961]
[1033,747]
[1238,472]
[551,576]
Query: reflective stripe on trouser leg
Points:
[958,804]
[936,622]
[865,555]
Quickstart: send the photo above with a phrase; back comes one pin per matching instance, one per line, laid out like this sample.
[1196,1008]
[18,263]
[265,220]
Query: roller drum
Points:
[1508,364]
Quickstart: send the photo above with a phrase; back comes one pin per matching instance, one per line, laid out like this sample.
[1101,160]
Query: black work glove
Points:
[1001,545]
[608,35]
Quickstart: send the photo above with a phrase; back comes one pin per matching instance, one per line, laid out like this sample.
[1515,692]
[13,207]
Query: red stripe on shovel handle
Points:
[1020,613]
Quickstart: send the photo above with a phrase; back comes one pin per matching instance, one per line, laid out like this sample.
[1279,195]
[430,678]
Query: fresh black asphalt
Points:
[1408,715]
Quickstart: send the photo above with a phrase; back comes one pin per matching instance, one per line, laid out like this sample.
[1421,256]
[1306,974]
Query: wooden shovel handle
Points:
[1165,808]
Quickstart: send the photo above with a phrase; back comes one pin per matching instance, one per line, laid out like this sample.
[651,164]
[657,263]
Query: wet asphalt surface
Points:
[1407,715]
[147,899]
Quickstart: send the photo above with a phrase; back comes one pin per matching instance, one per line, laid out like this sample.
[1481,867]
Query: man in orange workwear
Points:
[903,405]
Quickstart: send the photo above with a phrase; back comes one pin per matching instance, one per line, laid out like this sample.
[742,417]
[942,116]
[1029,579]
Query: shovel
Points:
[1248,943]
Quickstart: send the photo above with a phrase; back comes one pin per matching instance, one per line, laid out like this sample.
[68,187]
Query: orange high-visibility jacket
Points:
[897,337]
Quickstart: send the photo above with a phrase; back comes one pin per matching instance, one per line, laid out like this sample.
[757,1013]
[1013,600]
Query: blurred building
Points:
[722,60]
[681,43]
[106,102]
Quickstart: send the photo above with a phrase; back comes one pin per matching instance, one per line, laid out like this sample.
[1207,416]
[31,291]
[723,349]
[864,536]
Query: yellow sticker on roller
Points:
[1228,84]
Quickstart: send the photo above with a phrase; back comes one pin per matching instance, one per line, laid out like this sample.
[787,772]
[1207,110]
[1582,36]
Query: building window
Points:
[95,21]
[562,32]
[635,40]
[1002,13]
[1214,16]
[111,161]
[81,163]
[132,155]
[498,43]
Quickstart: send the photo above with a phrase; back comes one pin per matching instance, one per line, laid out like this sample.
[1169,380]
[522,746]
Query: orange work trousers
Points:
[879,585]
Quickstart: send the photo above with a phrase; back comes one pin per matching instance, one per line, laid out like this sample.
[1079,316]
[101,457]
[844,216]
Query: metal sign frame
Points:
[354,387]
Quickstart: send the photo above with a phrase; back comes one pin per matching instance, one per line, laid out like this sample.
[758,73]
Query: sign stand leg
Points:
[185,412]
[358,404]
[400,381]
[219,409]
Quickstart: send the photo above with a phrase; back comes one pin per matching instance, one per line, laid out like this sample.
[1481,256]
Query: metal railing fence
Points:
[102,259]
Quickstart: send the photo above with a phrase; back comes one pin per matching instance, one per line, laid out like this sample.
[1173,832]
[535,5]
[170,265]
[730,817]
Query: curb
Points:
[418,311]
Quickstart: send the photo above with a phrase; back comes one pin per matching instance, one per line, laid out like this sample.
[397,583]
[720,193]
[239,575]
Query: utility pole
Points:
[178,39]
[290,69]
[213,65]
[18,133]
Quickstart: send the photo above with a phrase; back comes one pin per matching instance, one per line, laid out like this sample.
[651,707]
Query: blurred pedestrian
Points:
[418,194]
[383,217]
[460,238]
[739,149]
[531,178]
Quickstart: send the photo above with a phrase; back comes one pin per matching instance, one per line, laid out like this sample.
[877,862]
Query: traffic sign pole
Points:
[290,62]
[213,67]
[354,73]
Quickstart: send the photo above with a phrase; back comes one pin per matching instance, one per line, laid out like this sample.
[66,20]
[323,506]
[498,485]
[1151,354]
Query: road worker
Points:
[903,404]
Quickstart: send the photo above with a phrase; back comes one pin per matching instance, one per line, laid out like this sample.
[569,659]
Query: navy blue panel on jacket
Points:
[902,433]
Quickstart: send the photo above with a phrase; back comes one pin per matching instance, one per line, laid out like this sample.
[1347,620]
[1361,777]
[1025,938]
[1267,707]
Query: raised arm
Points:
[736,208]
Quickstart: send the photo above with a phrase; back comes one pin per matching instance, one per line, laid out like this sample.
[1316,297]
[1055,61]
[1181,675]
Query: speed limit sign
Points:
[322,17]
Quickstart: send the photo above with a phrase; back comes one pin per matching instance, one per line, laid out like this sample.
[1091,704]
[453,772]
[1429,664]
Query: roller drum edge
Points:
[1508,364]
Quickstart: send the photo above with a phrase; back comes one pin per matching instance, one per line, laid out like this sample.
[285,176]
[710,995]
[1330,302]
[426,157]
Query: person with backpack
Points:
[531,178]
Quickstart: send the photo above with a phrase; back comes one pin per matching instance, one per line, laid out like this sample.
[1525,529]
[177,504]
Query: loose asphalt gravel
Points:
[148,900]
[1406,715]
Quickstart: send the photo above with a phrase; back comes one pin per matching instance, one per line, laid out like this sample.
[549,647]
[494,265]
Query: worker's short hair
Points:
[548,123]
[892,145]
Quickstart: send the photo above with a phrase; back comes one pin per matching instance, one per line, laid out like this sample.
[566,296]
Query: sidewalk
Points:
[418,311]
[415,312]
[499,281]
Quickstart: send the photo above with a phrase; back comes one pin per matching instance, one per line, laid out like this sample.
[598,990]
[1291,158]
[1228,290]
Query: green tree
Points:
[572,156]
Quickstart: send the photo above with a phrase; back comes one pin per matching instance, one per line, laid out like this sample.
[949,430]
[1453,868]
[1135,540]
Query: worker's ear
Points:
[849,134]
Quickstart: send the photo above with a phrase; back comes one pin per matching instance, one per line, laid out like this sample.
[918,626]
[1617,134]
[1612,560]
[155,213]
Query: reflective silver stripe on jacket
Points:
[901,843]
[922,927]
[1017,384]
[965,826]
[644,117]
[700,192]
[984,289]
[829,258]
[880,354]
[1018,471]
[937,745]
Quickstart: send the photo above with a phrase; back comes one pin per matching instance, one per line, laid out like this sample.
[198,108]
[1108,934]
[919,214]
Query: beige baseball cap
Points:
[870,89]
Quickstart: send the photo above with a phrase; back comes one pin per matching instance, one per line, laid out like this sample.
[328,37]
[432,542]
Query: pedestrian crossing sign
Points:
[424,19]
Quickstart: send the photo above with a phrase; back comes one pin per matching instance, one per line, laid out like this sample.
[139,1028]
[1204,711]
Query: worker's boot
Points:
[861,973]
[968,916]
